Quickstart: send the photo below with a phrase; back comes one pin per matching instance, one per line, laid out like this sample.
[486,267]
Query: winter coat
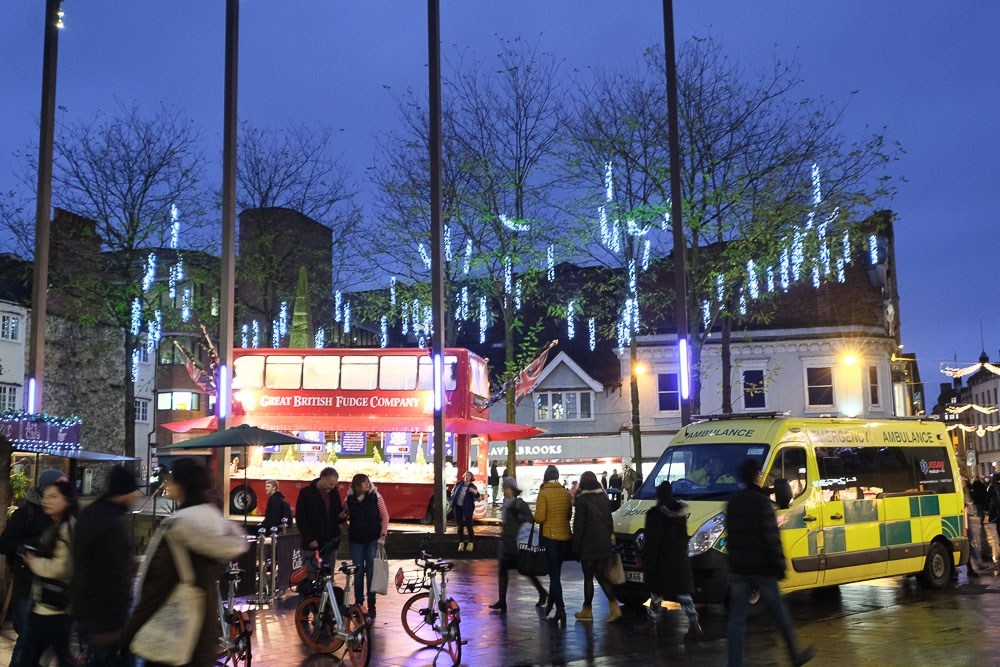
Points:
[754,543]
[24,528]
[468,502]
[667,566]
[552,509]
[993,503]
[104,563]
[979,497]
[314,521]
[211,541]
[615,482]
[277,509]
[58,567]
[513,516]
[494,479]
[592,525]
[369,518]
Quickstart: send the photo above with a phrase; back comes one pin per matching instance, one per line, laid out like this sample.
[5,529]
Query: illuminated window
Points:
[563,405]
[10,327]
[425,376]
[248,373]
[321,372]
[359,373]
[178,400]
[398,373]
[282,372]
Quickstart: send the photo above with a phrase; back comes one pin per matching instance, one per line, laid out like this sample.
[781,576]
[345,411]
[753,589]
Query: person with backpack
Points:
[277,507]
[52,566]
[24,529]
[514,513]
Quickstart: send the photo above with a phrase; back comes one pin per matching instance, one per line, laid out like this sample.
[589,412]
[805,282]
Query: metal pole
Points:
[43,208]
[228,258]
[680,279]
[437,254]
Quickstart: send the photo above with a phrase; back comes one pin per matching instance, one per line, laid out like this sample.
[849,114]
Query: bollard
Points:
[261,573]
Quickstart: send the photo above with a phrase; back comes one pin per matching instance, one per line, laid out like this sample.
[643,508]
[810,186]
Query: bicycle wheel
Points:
[452,631]
[359,647]
[418,620]
[316,627]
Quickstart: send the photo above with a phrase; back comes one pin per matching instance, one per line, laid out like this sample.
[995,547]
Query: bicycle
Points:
[325,623]
[236,627]
[431,617]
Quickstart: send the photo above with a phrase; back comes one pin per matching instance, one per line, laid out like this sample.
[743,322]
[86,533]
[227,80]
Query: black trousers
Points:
[463,524]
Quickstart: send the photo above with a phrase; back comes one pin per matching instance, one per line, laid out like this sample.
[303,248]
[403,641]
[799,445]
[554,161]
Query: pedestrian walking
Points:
[756,560]
[368,524]
[604,480]
[615,490]
[463,501]
[513,514]
[553,508]
[494,481]
[24,529]
[628,480]
[278,513]
[207,539]
[52,566]
[666,563]
[104,570]
[993,517]
[592,544]
[318,515]
[980,499]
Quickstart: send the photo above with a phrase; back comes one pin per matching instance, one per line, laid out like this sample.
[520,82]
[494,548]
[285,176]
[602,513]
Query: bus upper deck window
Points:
[321,372]
[248,373]
[398,373]
[283,372]
[425,379]
[359,373]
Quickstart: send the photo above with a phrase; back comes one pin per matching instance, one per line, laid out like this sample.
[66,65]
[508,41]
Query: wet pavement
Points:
[882,622]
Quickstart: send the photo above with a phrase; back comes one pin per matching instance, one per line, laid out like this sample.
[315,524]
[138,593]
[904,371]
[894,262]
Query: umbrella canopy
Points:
[238,436]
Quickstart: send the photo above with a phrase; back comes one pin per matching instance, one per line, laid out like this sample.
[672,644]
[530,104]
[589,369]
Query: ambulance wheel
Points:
[937,569]
[632,600]
[242,500]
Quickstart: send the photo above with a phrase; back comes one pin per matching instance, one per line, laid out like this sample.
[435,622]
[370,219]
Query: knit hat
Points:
[48,478]
[120,482]
[511,483]
[551,474]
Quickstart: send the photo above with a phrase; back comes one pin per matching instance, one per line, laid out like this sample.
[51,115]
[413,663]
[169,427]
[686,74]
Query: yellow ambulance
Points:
[855,499]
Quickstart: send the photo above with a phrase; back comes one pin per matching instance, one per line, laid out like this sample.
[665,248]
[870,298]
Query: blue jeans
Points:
[740,588]
[363,556]
[556,551]
[20,611]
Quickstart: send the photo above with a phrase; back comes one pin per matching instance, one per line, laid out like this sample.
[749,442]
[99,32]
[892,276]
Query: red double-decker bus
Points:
[362,410]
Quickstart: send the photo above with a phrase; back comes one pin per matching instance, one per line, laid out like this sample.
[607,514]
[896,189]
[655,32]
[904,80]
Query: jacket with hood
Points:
[667,566]
[211,541]
[277,509]
[592,525]
[552,510]
[314,521]
[58,567]
[24,527]
[104,562]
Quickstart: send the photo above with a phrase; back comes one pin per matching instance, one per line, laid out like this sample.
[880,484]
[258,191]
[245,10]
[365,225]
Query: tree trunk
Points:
[508,343]
[727,365]
[696,346]
[636,432]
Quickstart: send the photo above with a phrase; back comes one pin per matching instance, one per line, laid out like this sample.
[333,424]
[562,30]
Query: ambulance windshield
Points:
[703,471]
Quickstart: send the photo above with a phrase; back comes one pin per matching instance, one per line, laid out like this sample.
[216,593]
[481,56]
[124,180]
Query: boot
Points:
[560,616]
[548,606]
[500,606]
[585,614]
[502,581]
[469,546]
[371,607]
[542,597]
[614,611]
[461,546]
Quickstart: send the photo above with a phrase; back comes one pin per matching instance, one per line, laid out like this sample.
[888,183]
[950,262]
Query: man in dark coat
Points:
[24,529]
[494,482]
[277,507]
[667,565]
[756,561]
[104,569]
[319,512]
[980,499]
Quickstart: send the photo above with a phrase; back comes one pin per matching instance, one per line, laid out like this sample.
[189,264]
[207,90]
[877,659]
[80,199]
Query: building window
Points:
[10,327]
[873,390]
[754,397]
[563,405]
[141,410]
[143,353]
[8,397]
[178,400]
[819,387]
[668,392]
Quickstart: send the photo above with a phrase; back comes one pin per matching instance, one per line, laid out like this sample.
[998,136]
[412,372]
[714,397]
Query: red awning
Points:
[488,429]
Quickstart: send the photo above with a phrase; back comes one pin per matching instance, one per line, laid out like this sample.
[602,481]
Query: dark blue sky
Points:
[927,70]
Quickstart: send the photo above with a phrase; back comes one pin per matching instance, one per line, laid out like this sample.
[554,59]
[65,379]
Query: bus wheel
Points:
[242,500]
[937,569]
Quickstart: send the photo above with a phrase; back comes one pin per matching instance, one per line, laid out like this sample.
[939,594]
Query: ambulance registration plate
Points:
[635,577]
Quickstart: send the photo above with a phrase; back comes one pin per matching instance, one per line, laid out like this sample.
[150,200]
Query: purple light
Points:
[438,382]
[31,396]
[682,346]
[223,403]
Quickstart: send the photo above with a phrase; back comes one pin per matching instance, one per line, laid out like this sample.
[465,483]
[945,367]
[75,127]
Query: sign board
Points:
[398,443]
[355,442]
[970,458]
[449,445]
[310,448]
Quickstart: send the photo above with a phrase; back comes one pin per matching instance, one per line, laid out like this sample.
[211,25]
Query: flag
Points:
[195,372]
[526,379]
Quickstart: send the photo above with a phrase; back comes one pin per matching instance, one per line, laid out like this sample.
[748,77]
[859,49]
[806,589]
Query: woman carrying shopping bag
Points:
[514,513]
[592,530]
[184,560]
[368,521]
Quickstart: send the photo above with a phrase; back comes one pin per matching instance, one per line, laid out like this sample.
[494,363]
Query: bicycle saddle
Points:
[233,574]
[440,565]
[348,568]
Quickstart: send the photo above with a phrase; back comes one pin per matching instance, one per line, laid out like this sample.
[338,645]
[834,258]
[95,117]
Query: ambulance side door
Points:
[801,522]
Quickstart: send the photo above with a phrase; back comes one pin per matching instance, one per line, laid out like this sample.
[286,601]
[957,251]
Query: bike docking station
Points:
[266,580]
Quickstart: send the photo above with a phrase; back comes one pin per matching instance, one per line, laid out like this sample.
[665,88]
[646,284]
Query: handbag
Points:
[170,635]
[380,571]
[531,560]
[614,571]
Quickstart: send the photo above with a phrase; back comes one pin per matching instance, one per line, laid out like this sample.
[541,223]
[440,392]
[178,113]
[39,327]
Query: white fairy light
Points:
[136,326]
[447,243]
[550,258]
[175,226]
[467,264]
[770,279]
[841,273]
[483,319]
[320,339]
[645,256]
[706,313]
[785,270]
[464,307]
[180,268]
[602,215]
[150,276]
[186,304]
[720,293]
[592,327]
[392,291]
[815,276]
[428,319]
[632,280]
[384,327]
[665,225]
[518,291]
[424,257]
[283,319]
[135,365]
[421,342]
[743,304]
[275,334]
[824,250]
[616,241]
[245,336]
[255,334]
[798,255]
[415,315]
[635,229]
[347,317]
[406,322]
[570,322]
[338,300]
[508,276]
[752,280]
[155,331]
[514,225]
[609,182]
[817,193]
[846,245]
[172,282]
[873,254]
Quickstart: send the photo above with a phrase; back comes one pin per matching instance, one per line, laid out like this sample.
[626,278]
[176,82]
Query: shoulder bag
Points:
[171,633]
[531,558]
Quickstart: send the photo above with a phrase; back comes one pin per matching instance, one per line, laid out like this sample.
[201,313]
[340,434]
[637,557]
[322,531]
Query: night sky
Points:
[926,70]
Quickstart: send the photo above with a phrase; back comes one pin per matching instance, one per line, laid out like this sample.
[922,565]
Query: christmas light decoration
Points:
[645,256]
[508,276]
[447,243]
[150,276]
[421,342]
[570,322]
[337,301]
[959,409]
[815,276]
[817,194]
[743,304]
[155,331]
[275,334]
[841,272]
[424,257]
[428,319]
[720,293]
[979,430]
[483,319]
[969,370]
[392,291]
[550,258]
[245,336]
[415,315]
[592,327]
[255,334]
[172,282]
[283,318]
[632,279]
[175,226]
[846,243]
[798,255]
[186,304]
[616,234]
[706,313]
[785,270]
[406,322]
[468,257]
[320,338]
[384,328]
[770,279]
[605,230]
[518,289]
[464,307]
[609,182]
[347,317]
[135,365]
[514,225]
[665,225]
[873,254]
[752,280]
[136,325]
